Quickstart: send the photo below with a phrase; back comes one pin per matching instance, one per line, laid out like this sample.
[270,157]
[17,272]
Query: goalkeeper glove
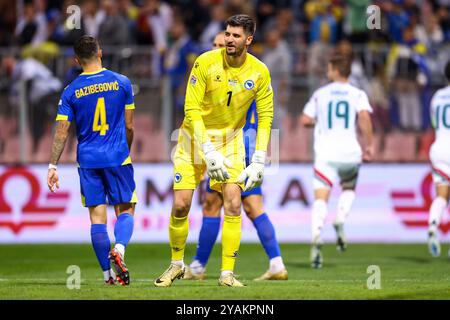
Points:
[215,163]
[254,172]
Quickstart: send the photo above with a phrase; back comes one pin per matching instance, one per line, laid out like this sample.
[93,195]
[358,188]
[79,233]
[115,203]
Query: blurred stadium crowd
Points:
[155,42]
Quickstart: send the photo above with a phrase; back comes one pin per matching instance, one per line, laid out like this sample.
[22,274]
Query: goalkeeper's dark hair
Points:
[244,21]
[447,71]
[86,48]
[343,64]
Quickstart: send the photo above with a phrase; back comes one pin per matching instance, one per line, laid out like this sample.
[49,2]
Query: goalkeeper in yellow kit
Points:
[221,87]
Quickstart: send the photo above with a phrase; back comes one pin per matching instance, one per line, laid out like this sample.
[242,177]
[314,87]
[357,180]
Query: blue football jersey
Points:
[96,102]
[250,130]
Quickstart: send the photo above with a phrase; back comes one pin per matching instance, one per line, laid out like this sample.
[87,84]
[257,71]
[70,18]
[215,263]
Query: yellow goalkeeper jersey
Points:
[218,97]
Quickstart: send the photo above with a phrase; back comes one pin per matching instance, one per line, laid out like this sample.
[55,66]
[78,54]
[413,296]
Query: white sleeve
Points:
[310,108]
[433,111]
[362,102]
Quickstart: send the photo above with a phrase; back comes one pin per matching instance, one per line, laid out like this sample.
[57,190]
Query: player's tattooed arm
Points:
[59,140]
[129,115]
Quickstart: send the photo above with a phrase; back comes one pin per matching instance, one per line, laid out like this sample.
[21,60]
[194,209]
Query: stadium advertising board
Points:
[391,206]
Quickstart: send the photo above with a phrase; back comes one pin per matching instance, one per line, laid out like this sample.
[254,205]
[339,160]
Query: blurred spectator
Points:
[317,62]
[379,101]
[397,18]
[356,20]
[32,26]
[74,70]
[278,59]
[292,32]
[144,31]
[217,24]
[408,70]
[443,14]
[196,15]
[43,90]
[358,76]
[265,9]
[7,21]
[324,17]
[154,22]
[92,17]
[239,7]
[429,33]
[178,62]
[114,29]
[128,10]
[162,19]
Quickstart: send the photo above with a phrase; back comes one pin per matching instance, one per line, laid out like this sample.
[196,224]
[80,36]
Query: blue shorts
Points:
[116,183]
[255,191]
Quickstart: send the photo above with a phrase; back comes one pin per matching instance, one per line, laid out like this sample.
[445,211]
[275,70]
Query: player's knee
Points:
[251,211]
[233,206]
[252,214]
[181,207]
[348,186]
[211,209]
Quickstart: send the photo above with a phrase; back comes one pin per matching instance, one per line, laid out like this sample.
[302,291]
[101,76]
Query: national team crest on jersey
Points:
[193,80]
[178,177]
[249,84]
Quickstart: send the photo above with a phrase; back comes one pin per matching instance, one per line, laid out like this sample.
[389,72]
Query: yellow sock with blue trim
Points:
[178,232]
[231,240]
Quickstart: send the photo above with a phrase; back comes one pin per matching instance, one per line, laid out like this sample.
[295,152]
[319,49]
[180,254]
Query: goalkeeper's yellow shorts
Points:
[189,165]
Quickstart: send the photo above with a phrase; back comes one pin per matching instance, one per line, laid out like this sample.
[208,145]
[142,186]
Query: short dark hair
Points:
[244,21]
[341,63]
[86,48]
[447,71]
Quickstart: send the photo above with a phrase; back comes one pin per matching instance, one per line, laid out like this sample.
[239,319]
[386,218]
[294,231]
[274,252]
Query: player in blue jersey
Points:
[100,102]
[253,206]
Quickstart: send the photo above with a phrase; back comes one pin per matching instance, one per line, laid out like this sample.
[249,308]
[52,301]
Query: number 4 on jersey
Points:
[100,114]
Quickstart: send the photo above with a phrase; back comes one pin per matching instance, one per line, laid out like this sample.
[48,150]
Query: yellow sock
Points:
[231,239]
[178,232]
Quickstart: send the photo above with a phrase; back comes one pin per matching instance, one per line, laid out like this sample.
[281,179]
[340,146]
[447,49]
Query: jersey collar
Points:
[94,72]
[227,66]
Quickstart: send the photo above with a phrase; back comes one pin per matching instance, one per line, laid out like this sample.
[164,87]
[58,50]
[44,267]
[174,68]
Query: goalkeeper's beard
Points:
[237,51]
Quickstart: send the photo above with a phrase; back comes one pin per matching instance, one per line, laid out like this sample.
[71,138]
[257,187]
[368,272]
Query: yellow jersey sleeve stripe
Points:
[195,93]
[127,161]
[264,108]
[129,106]
[134,198]
[62,117]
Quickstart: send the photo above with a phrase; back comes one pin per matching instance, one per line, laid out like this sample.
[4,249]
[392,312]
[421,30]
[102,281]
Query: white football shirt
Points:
[335,107]
[440,117]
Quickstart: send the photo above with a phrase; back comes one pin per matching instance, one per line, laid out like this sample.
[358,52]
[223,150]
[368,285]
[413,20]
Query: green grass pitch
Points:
[407,272]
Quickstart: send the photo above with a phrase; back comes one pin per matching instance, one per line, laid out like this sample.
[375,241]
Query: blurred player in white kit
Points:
[334,110]
[440,162]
